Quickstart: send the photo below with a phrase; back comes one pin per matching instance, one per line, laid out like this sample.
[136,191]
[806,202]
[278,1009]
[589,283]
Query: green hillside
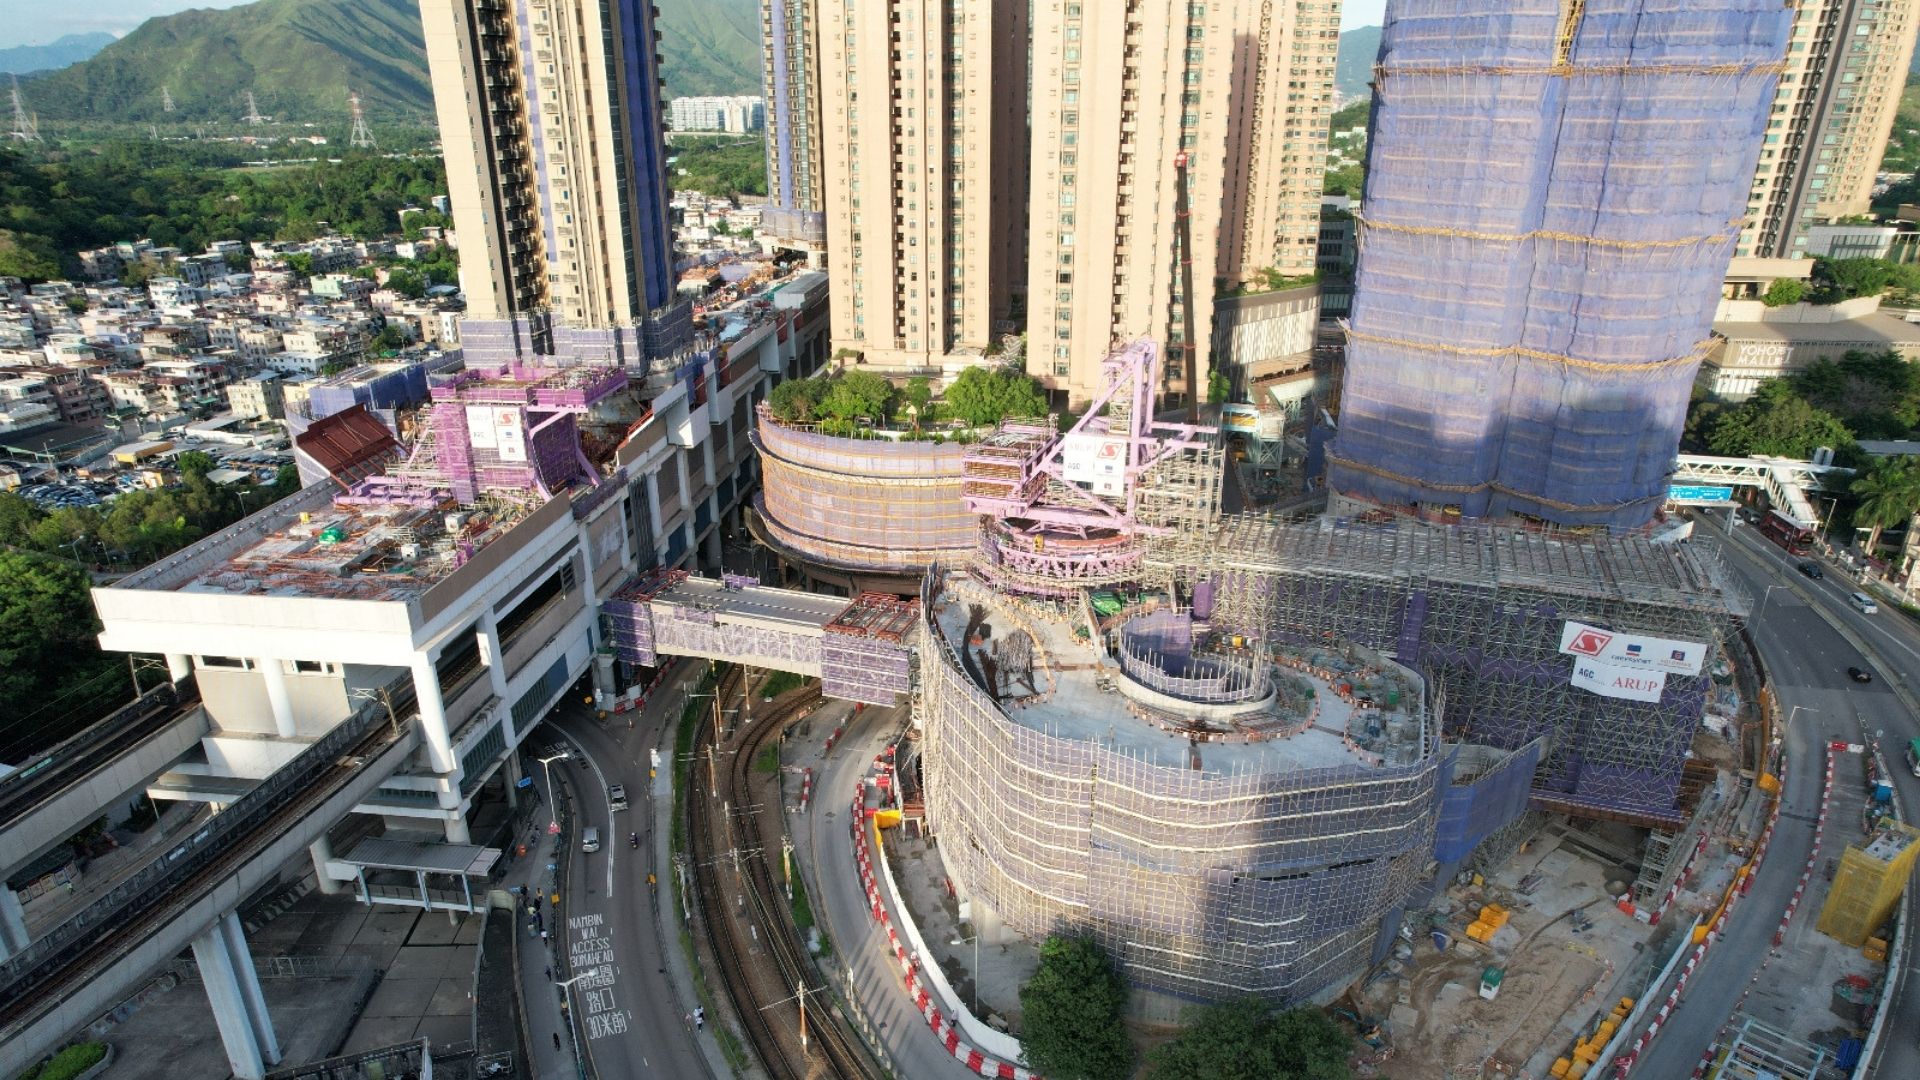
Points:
[1353,66]
[301,57]
[710,47]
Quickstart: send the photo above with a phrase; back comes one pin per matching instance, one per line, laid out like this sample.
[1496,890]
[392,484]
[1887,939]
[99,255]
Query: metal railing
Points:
[154,884]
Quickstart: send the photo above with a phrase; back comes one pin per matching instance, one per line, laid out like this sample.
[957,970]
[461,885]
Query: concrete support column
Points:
[250,992]
[653,512]
[714,556]
[510,774]
[179,666]
[322,852]
[275,674]
[230,1010]
[495,653]
[13,923]
[433,717]
[457,830]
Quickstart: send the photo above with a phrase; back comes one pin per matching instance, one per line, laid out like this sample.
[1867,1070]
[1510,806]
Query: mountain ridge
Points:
[55,54]
[300,58]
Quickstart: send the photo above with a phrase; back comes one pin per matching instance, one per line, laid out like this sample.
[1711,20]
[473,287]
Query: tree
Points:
[1247,1040]
[76,303]
[919,394]
[1072,1009]
[194,463]
[1776,421]
[53,677]
[1889,495]
[286,481]
[796,400]
[1877,395]
[1219,389]
[27,255]
[17,516]
[1784,291]
[985,395]
[858,394]
[407,281]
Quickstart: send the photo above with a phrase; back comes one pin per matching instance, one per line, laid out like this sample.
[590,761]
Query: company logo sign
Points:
[1633,651]
[1611,680]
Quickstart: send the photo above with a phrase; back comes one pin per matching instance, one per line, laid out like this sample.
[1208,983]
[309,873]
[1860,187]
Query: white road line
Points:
[612,843]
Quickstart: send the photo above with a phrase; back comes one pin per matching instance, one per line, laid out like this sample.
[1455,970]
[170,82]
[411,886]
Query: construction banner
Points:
[1610,680]
[1632,650]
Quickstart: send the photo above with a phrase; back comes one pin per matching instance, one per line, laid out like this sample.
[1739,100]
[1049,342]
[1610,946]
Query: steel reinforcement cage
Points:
[1578,171]
[1479,612]
[1204,885]
[862,504]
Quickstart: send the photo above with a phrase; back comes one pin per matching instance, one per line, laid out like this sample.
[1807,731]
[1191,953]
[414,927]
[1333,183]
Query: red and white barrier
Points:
[942,1028]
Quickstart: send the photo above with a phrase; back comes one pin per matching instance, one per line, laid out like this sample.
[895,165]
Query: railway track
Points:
[31,984]
[45,775]
[833,1050]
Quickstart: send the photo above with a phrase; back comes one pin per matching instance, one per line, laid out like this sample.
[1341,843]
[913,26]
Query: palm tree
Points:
[1889,495]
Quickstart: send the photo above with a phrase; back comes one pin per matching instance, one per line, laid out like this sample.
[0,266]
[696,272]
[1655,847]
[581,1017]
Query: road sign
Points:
[1699,494]
[553,828]
[524,782]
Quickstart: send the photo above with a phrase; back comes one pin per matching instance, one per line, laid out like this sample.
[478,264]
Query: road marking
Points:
[612,845]
[588,948]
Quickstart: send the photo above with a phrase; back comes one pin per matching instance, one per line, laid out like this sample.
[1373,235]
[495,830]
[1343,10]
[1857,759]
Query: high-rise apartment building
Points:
[1554,188]
[1832,112]
[551,125]
[741,114]
[924,155]
[1245,87]
[795,215]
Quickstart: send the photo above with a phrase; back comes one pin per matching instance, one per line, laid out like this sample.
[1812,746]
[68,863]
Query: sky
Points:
[1352,13]
[37,22]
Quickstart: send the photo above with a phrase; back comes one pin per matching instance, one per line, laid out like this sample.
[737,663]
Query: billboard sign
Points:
[1242,419]
[1099,462]
[1614,681]
[1699,494]
[480,427]
[1632,651]
[510,435]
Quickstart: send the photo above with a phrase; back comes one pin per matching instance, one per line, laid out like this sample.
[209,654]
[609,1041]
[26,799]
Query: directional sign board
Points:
[1699,494]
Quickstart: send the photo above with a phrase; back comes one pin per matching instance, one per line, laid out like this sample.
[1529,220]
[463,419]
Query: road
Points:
[630,1018]
[1808,660]
[859,945]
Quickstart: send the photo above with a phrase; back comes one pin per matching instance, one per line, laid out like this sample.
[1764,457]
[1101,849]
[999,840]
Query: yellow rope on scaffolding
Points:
[1484,485]
[1544,234]
[1569,70]
[1561,359]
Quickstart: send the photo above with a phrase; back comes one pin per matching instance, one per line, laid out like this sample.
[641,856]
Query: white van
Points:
[590,839]
[1864,603]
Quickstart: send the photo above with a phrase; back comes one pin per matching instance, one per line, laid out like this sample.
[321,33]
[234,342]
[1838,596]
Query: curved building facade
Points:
[1210,864]
[860,508]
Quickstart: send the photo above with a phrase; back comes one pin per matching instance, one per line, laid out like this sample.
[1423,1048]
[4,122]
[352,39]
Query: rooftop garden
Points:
[865,405]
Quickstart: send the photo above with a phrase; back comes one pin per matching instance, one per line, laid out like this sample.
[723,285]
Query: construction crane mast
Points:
[1183,232]
[253,117]
[361,138]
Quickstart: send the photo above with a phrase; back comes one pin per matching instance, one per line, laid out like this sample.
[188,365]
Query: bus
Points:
[1913,756]
[1786,532]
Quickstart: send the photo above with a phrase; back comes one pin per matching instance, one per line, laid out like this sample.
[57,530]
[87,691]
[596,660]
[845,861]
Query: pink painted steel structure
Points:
[1051,534]
[507,430]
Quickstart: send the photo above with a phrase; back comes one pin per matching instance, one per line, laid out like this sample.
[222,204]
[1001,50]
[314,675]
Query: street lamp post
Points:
[74,546]
[566,988]
[1768,595]
[546,766]
[1791,713]
[973,938]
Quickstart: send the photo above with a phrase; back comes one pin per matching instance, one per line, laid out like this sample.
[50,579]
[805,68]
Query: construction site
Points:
[1581,170]
[1240,749]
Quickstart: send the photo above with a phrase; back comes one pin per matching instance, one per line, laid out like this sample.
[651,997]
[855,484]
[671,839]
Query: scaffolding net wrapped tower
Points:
[1554,188]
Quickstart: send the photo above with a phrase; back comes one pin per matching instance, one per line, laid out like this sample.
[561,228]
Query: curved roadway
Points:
[1796,626]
